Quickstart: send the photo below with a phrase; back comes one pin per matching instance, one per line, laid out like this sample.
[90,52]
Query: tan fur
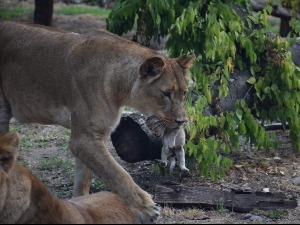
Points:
[24,199]
[82,82]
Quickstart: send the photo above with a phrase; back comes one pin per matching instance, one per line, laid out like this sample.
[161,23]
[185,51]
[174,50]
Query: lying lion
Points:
[24,199]
[82,82]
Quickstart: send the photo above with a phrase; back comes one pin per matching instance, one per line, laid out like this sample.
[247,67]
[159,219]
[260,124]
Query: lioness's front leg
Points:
[94,153]
[89,145]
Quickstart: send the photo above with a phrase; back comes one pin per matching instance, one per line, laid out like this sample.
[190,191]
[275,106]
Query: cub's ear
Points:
[9,144]
[186,61]
[152,68]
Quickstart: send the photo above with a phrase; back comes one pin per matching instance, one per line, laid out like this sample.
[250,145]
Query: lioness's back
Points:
[41,45]
[35,51]
[37,64]
[35,78]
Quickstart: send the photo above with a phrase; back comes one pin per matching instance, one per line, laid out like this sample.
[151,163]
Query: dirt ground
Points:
[44,150]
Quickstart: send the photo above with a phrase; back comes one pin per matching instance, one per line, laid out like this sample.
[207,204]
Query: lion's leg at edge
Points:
[83,179]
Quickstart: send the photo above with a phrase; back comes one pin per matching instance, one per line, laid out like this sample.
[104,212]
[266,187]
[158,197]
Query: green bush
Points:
[225,35]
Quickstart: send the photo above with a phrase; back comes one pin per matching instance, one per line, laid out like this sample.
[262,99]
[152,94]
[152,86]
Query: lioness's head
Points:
[9,144]
[161,88]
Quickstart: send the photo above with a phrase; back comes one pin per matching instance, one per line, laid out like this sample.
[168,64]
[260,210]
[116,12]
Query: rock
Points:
[247,216]
[254,218]
[296,181]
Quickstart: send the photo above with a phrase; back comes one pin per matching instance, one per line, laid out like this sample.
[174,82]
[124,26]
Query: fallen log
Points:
[208,198]
[133,141]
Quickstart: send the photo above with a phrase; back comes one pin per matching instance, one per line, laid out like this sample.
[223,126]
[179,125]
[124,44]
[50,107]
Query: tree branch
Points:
[278,11]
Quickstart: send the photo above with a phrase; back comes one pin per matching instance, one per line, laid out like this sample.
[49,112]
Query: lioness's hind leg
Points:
[83,179]
[5,114]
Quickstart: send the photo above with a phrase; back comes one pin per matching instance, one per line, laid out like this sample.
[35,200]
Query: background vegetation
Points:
[226,36]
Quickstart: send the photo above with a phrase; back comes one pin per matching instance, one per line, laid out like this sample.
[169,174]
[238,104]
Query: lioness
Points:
[82,82]
[24,199]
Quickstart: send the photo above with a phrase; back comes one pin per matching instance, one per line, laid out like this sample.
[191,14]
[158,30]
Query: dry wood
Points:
[205,197]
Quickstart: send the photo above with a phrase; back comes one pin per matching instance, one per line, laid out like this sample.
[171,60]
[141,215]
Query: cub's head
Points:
[9,144]
[161,88]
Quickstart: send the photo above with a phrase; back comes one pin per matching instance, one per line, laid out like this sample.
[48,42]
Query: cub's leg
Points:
[168,141]
[179,152]
[172,163]
[5,114]
[83,179]
[164,156]
[180,155]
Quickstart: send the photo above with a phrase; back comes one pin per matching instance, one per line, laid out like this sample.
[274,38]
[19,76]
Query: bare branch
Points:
[278,11]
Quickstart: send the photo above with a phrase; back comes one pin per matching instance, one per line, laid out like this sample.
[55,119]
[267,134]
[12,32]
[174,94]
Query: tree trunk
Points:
[43,12]
[285,27]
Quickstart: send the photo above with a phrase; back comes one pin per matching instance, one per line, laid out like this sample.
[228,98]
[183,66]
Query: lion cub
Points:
[24,199]
[173,141]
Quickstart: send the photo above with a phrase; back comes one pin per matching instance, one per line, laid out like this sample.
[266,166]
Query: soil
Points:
[44,150]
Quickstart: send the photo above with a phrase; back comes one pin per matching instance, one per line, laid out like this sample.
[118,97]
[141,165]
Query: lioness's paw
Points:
[144,208]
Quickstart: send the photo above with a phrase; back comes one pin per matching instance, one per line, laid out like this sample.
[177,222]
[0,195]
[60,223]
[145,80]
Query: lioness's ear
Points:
[152,68]
[186,61]
[9,144]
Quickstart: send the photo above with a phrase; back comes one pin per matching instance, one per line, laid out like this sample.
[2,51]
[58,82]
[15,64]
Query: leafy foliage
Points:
[225,35]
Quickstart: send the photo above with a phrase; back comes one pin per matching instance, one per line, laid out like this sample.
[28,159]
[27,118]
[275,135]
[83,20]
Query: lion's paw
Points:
[144,208]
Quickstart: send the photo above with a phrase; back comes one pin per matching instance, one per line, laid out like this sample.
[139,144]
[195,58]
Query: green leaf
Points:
[242,128]
[251,80]
[252,70]
[239,114]
[267,90]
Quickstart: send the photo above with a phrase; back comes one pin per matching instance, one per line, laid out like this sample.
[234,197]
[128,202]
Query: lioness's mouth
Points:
[171,123]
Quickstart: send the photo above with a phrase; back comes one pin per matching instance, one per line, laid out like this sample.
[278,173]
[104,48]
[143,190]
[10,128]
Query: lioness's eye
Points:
[167,94]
